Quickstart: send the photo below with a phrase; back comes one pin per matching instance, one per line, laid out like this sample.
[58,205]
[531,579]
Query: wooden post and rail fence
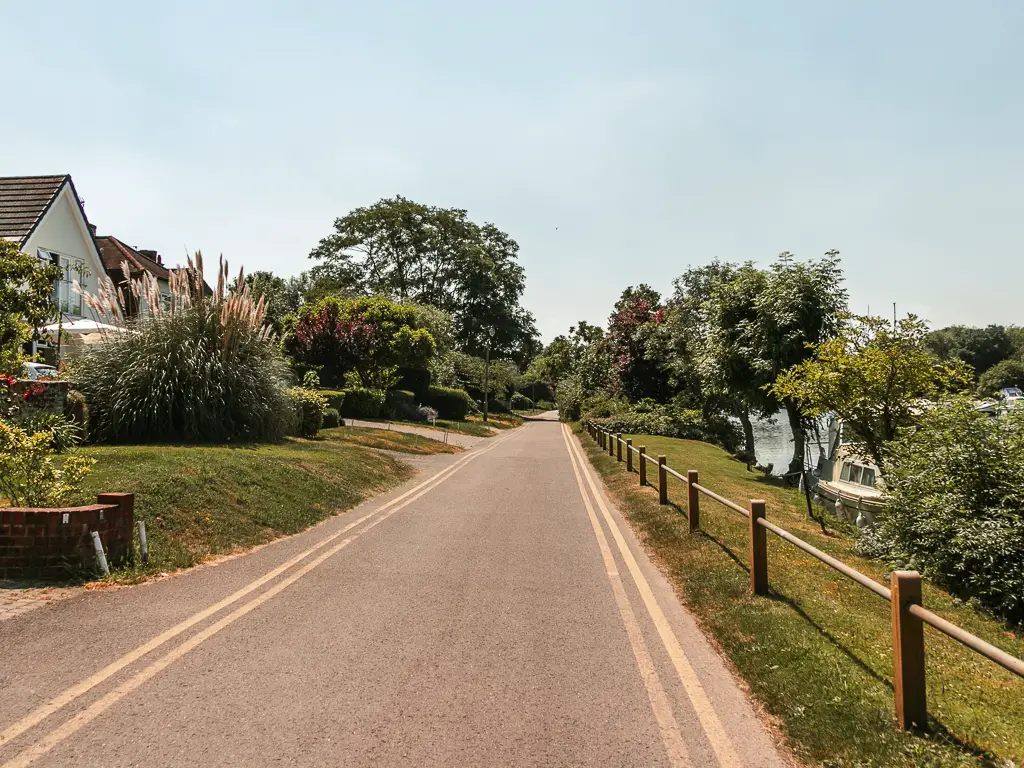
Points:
[904,592]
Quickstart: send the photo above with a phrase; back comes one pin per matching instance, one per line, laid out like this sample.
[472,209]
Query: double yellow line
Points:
[55,737]
[675,745]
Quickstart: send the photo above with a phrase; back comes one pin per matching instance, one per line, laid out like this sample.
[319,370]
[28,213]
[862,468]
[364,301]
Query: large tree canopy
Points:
[437,256]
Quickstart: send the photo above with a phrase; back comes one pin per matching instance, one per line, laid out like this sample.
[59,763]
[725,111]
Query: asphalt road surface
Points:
[495,611]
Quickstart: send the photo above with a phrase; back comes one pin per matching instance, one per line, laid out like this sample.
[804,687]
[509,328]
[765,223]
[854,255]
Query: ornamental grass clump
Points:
[198,366]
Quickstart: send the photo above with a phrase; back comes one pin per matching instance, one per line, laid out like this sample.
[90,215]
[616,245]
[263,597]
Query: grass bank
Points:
[473,425]
[817,652]
[203,501]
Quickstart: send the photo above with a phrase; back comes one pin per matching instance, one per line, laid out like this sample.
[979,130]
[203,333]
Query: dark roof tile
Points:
[23,202]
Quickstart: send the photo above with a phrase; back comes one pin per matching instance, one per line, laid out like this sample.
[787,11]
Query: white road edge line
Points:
[671,736]
[63,699]
[719,739]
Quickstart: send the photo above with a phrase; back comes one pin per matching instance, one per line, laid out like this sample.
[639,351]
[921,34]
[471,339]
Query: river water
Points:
[773,442]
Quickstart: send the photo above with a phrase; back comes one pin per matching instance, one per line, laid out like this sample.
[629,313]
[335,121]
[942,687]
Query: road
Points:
[495,611]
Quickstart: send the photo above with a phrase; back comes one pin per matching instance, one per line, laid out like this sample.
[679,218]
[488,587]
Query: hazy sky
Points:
[618,143]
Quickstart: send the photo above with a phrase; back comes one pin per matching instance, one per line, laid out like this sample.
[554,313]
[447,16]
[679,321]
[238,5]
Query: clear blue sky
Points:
[618,143]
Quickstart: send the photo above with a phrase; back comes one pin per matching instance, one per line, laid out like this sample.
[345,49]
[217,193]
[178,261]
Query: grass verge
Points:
[203,501]
[817,652]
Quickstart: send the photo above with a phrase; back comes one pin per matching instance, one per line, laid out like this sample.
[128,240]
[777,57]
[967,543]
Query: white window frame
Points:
[68,301]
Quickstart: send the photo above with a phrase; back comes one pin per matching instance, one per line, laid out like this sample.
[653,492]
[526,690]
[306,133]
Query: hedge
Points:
[451,404]
[362,403]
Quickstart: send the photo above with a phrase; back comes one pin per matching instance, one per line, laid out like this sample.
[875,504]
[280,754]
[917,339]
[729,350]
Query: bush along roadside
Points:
[816,652]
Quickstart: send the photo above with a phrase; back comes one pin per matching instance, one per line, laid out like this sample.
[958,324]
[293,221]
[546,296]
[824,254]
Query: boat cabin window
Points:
[857,474]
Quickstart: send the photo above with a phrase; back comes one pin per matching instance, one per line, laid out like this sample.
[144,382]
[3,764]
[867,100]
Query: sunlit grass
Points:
[817,653]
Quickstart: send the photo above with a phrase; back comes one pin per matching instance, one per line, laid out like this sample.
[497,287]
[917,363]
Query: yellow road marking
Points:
[720,742]
[65,698]
[675,746]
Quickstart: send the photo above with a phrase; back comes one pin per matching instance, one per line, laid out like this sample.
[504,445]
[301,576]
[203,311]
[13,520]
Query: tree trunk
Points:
[748,434]
[796,464]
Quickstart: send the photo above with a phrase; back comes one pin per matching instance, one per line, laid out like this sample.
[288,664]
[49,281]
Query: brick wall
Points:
[57,543]
[34,397]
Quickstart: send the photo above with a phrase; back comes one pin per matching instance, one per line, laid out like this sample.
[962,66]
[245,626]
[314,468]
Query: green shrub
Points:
[955,505]
[204,371]
[335,398]
[362,403]
[570,398]
[400,404]
[521,403]
[332,418]
[667,421]
[545,405]
[451,404]
[308,408]
[31,475]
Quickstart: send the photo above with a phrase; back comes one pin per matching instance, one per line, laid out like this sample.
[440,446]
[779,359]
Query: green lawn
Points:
[202,501]
[817,652]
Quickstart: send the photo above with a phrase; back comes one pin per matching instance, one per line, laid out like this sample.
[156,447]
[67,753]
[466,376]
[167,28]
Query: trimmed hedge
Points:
[335,398]
[332,418]
[400,404]
[415,381]
[309,407]
[451,404]
[362,403]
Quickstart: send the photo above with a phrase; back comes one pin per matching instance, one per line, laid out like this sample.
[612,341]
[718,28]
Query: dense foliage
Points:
[25,290]
[450,403]
[875,377]
[362,403]
[438,257]
[1007,373]
[980,348]
[367,338]
[308,411]
[955,500]
[203,370]
[31,472]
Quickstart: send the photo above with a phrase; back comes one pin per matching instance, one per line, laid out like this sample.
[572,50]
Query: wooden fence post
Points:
[629,455]
[618,446]
[758,550]
[662,481]
[693,500]
[611,444]
[643,464]
[908,652]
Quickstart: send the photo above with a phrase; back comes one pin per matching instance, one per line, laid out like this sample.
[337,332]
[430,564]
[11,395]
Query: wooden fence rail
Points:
[904,592]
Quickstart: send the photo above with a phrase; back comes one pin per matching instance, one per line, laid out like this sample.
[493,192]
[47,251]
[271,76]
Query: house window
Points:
[67,299]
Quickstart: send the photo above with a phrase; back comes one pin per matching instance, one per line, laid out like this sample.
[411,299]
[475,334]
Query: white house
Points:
[44,216]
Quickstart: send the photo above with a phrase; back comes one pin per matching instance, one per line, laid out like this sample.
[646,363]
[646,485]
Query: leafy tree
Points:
[631,326]
[731,357]
[1008,373]
[281,297]
[368,337]
[954,497]
[801,307]
[980,348]
[26,286]
[436,256]
[565,353]
[874,377]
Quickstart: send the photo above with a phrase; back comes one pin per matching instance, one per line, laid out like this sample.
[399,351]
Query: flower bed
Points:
[33,397]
